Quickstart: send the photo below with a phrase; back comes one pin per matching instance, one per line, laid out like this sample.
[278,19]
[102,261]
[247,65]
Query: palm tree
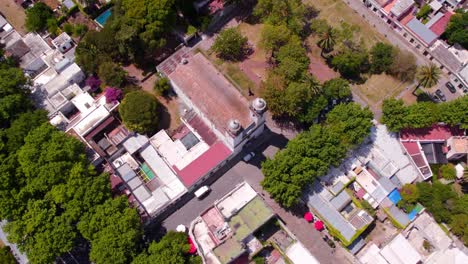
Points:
[327,39]
[428,75]
[313,84]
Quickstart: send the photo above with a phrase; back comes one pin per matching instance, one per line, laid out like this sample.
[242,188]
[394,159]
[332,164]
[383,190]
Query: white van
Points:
[200,193]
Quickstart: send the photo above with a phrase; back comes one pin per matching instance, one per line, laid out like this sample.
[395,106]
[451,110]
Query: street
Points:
[251,173]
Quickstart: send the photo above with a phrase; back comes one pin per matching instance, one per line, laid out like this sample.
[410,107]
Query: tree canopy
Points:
[140,112]
[172,249]
[311,153]
[230,44]
[6,257]
[134,32]
[37,16]
[290,13]
[351,63]
[398,116]
[112,74]
[114,231]
[456,31]
[381,57]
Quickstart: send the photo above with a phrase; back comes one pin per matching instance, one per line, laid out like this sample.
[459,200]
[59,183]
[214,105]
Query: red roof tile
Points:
[203,164]
[439,27]
[211,93]
[431,134]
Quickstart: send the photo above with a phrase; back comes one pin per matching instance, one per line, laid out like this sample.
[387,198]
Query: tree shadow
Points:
[164,118]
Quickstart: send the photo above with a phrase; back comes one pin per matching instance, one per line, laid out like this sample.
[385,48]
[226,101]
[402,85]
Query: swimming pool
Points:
[102,18]
[394,196]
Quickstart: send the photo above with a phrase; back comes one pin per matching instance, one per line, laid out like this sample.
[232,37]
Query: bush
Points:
[113,95]
[424,11]
[140,112]
[230,44]
[80,30]
[162,86]
[68,28]
[448,171]
[368,207]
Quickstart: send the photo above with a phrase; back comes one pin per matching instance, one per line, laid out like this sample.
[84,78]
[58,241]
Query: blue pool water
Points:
[412,214]
[394,196]
[102,18]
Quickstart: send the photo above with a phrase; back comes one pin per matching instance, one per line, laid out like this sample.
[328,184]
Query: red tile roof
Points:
[439,27]
[203,164]
[211,93]
[431,134]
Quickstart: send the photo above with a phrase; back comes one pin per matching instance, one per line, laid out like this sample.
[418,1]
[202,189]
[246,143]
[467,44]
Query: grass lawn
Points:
[336,12]
[379,87]
[14,14]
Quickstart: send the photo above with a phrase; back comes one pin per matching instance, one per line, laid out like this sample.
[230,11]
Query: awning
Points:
[319,225]
[192,249]
[309,217]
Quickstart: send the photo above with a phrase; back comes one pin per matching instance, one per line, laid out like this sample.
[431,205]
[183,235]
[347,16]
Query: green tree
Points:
[337,88]
[327,39]
[319,26]
[68,28]
[36,16]
[428,75]
[172,248]
[230,44]
[273,37]
[394,114]
[52,26]
[114,230]
[403,65]
[291,13]
[312,152]
[436,198]
[459,226]
[21,126]
[162,86]
[140,112]
[112,74]
[381,57]
[351,63]
[422,114]
[6,257]
[456,30]
[292,60]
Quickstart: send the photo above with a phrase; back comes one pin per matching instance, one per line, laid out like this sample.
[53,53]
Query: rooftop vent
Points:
[184,61]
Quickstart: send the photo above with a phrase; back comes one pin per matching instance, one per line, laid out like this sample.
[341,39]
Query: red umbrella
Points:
[192,249]
[319,225]
[309,217]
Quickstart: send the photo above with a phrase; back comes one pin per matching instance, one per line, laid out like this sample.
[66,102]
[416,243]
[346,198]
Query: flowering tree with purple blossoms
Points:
[113,95]
[93,82]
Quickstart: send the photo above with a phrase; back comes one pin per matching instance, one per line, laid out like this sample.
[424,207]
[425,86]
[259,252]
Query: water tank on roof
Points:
[234,126]
[259,105]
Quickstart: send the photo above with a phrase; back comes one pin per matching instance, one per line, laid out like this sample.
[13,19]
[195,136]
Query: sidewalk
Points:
[20,257]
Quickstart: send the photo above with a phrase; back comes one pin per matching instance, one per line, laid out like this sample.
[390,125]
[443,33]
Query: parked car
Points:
[450,86]
[441,95]
[202,192]
[248,157]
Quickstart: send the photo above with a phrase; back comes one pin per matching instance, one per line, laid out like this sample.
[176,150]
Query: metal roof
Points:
[401,6]
[126,172]
[329,213]
[341,200]
[424,33]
